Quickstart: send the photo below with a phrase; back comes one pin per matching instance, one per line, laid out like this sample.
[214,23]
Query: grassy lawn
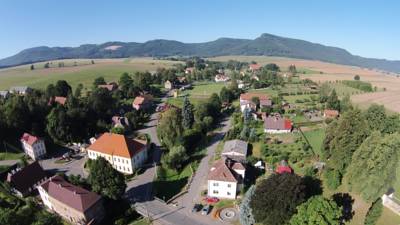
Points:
[388,218]
[84,72]
[316,139]
[142,221]
[268,91]
[256,151]
[10,156]
[170,182]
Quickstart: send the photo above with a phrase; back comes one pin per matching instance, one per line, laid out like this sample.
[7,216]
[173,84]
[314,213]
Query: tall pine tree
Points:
[187,114]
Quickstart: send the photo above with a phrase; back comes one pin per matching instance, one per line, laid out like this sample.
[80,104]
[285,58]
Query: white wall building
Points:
[225,179]
[123,153]
[33,146]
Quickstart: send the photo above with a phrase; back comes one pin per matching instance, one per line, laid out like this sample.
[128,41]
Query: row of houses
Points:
[18,90]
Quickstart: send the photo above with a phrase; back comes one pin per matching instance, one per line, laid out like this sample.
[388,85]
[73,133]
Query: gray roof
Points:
[20,88]
[237,146]
[4,93]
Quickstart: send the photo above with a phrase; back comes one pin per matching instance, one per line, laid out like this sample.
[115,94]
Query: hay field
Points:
[84,72]
[332,72]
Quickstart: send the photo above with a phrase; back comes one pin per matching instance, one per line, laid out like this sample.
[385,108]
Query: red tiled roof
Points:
[277,123]
[69,194]
[331,113]
[117,144]
[61,100]
[28,176]
[139,100]
[255,66]
[249,96]
[284,169]
[220,171]
[29,139]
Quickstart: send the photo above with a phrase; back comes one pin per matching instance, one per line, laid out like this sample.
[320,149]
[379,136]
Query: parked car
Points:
[211,200]
[197,207]
[206,210]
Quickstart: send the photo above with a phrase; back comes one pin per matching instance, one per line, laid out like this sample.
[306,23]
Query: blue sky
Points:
[366,28]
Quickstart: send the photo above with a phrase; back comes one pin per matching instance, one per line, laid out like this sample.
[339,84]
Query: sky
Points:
[363,27]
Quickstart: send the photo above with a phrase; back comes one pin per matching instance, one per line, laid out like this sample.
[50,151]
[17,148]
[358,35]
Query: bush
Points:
[374,212]
[333,179]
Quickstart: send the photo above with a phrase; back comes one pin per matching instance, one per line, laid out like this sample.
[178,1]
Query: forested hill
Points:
[266,44]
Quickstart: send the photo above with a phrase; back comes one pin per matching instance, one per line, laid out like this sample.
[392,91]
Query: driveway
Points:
[75,166]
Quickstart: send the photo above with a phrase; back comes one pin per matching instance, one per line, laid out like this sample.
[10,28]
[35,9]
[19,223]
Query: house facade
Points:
[73,203]
[246,101]
[20,90]
[4,94]
[330,113]
[33,146]
[142,102]
[276,124]
[221,78]
[225,179]
[123,153]
[168,85]
[254,67]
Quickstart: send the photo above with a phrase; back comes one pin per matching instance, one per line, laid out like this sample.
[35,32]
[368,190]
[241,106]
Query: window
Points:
[215,192]
[229,185]
[215,184]
[228,193]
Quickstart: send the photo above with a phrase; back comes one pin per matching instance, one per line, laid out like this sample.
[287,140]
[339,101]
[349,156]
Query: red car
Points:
[211,199]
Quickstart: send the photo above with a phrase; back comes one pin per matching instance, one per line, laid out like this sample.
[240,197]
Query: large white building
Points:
[33,146]
[225,179]
[123,153]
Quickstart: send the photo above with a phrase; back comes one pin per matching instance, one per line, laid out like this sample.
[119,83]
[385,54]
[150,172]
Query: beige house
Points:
[73,203]
[33,146]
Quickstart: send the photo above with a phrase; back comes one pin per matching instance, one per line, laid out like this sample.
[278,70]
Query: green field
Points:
[343,90]
[316,139]
[84,72]
[200,93]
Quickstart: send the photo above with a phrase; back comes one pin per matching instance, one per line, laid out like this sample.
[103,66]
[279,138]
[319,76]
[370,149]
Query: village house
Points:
[33,146]
[225,179]
[142,102]
[235,150]
[120,121]
[189,70]
[283,167]
[20,90]
[123,153]
[241,84]
[73,203]
[254,67]
[168,85]
[58,99]
[181,80]
[110,86]
[25,181]
[330,113]
[221,78]
[4,94]
[246,101]
[276,124]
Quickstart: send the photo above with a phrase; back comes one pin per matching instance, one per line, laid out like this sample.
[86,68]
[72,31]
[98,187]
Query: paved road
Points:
[139,191]
[75,166]
[8,162]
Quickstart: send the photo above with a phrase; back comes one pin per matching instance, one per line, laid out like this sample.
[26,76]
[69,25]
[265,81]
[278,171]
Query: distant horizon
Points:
[363,28]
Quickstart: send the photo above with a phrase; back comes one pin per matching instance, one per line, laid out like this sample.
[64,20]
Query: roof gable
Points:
[29,139]
[26,177]
[117,144]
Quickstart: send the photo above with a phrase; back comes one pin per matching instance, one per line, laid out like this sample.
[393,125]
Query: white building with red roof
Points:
[225,179]
[276,124]
[254,67]
[33,146]
[123,153]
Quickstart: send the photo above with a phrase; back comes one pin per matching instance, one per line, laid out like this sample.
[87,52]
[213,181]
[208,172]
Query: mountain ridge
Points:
[266,44]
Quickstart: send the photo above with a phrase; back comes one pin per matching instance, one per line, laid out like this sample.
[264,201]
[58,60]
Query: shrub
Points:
[333,178]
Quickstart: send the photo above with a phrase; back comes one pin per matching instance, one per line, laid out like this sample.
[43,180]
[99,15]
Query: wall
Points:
[222,188]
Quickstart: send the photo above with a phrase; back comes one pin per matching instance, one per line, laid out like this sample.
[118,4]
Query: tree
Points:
[317,210]
[187,114]
[253,136]
[99,81]
[125,83]
[105,180]
[46,65]
[356,77]
[45,218]
[32,67]
[170,128]
[92,61]
[333,101]
[117,130]
[371,171]
[342,140]
[225,95]
[256,101]
[62,88]
[374,212]
[376,117]
[292,69]
[272,67]
[245,213]
[78,91]
[176,157]
[244,134]
[276,198]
